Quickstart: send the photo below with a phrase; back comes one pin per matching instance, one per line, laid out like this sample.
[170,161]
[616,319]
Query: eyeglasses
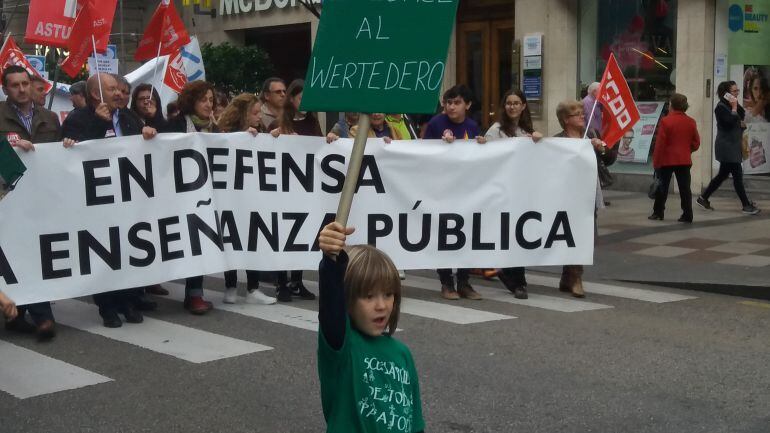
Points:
[514,104]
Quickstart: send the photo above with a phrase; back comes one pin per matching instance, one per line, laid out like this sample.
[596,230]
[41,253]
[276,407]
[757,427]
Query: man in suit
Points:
[103,118]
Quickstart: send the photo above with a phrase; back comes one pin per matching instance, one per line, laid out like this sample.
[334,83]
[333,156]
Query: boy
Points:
[452,124]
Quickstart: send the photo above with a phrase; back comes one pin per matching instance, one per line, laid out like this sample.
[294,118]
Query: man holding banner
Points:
[24,123]
[105,120]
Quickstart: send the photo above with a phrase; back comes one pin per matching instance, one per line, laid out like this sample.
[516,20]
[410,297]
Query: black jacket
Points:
[83,124]
[729,139]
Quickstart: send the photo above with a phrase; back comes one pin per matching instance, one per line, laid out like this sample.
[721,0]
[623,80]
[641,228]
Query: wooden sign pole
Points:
[354,168]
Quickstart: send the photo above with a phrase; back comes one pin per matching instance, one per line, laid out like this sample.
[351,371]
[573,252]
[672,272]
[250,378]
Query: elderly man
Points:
[103,118]
[24,122]
[273,96]
[125,90]
[593,121]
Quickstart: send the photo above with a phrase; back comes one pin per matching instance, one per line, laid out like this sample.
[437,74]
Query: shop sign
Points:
[749,37]
[237,7]
[374,56]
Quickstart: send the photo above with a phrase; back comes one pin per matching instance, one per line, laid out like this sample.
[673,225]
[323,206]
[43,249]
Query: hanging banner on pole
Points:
[379,56]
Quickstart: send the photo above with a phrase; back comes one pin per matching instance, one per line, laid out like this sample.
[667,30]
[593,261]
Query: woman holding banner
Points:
[146,105]
[573,121]
[514,121]
[294,122]
[196,114]
[244,113]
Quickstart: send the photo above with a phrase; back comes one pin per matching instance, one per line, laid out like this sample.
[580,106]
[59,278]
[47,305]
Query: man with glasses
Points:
[273,96]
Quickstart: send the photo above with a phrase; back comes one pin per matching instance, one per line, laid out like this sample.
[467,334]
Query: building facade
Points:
[552,49]
[664,46]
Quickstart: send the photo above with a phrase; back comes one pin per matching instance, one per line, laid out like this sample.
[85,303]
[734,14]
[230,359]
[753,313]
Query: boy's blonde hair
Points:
[370,269]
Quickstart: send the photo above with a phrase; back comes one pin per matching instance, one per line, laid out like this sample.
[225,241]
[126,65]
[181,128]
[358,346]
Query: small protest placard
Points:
[379,56]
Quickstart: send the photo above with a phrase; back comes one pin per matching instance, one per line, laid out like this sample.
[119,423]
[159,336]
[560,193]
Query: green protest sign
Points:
[379,56]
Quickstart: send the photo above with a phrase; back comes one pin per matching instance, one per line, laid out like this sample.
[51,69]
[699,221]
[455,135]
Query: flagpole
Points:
[5,41]
[55,77]
[588,121]
[155,72]
[96,65]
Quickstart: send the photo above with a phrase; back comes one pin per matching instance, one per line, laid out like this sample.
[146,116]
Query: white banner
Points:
[124,212]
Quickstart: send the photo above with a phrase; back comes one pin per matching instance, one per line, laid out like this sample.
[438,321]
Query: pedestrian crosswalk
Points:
[159,336]
[26,373]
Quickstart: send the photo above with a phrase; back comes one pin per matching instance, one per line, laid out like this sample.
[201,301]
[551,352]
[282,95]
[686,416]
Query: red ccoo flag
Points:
[165,32]
[91,21]
[620,112]
[11,54]
[175,76]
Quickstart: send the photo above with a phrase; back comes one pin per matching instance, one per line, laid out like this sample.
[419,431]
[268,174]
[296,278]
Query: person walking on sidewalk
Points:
[677,139]
[727,147]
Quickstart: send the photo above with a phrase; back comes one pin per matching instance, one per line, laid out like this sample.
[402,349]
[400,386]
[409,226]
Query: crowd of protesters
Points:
[105,106]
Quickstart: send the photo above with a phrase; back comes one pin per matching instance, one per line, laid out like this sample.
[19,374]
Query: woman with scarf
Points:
[196,114]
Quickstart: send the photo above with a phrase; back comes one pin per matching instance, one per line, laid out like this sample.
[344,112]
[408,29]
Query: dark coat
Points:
[727,145]
[45,124]
[83,124]
[179,124]
[677,139]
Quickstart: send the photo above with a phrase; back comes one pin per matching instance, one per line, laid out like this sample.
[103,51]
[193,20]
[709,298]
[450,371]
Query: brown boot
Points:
[465,290]
[577,281]
[448,290]
[565,284]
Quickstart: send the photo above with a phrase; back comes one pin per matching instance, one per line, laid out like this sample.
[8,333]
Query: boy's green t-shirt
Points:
[369,385]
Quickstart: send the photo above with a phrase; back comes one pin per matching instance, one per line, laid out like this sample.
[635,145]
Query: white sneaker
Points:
[402,275]
[257,297]
[231,295]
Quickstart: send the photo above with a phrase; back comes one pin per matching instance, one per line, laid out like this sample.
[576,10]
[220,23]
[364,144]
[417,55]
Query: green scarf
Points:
[200,124]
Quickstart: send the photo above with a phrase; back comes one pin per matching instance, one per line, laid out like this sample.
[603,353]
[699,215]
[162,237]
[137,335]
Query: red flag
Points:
[91,20]
[176,76]
[620,112]
[165,29]
[12,55]
[49,22]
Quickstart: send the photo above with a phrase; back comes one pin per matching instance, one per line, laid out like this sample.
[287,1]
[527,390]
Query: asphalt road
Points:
[697,363]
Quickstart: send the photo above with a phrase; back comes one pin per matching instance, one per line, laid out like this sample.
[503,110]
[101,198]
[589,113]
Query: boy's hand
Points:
[332,137]
[448,136]
[331,240]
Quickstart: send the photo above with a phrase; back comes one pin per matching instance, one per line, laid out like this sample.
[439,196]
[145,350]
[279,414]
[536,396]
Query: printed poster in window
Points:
[756,102]
[635,145]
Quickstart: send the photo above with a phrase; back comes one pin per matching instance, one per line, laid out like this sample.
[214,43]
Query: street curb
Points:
[754,292]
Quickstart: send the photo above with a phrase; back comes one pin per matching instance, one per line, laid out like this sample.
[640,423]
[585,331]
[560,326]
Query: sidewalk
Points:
[721,249]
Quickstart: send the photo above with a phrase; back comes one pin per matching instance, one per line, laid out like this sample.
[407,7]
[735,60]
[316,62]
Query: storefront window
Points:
[642,35]
[742,55]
